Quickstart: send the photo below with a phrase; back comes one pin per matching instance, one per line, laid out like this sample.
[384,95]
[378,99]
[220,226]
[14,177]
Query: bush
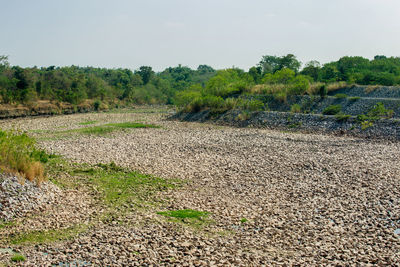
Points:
[354,98]
[379,110]
[96,105]
[341,96]
[251,105]
[332,110]
[323,91]
[295,108]
[18,155]
[341,117]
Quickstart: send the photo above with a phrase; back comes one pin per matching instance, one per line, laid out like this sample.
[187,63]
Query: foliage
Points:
[17,257]
[332,110]
[341,117]
[272,64]
[295,108]
[341,96]
[18,154]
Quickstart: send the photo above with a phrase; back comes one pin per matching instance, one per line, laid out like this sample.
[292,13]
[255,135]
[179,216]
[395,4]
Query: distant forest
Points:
[180,85]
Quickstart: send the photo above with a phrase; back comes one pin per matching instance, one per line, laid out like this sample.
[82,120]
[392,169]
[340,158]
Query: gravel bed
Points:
[19,197]
[308,199]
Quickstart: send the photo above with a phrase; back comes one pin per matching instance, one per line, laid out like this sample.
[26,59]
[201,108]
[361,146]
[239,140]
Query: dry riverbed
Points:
[271,197]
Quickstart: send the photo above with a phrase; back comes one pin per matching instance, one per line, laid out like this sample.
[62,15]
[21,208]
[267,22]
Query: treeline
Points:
[280,76]
[76,84]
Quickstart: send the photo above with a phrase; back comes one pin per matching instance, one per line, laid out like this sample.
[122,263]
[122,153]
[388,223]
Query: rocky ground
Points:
[274,198]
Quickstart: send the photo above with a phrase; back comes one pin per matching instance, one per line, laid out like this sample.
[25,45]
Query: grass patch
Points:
[130,125]
[340,96]
[194,218]
[121,188]
[332,110]
[18,257]
[19,155]
[87,122]
[96,130]
[47,236]
[341,117]
[354,98]
[243,220]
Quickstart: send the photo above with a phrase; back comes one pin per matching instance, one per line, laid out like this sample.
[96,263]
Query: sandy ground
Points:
[307,199]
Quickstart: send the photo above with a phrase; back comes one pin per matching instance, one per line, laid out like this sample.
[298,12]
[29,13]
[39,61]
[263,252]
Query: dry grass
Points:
[331,87]
[371,88]
[18,155]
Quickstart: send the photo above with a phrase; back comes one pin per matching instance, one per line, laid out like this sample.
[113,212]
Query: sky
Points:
[219,33]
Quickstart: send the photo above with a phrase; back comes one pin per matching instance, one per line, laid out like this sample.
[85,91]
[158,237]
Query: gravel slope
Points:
[308,199]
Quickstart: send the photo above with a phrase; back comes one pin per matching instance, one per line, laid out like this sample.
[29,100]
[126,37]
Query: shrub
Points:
[281,96]
[251,105]
[354,98]
[18,155]
[332,110]
[379,110]
[341,96]
[341,117]
[18,257]
[96,105]
[295,108]
[323,91]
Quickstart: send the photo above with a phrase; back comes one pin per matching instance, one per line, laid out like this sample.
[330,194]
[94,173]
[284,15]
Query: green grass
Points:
[243,220]
[18,257]
[18,154]
[47,236]
[121,188]
[341,117]
[354,98]
[193,218]
[129,125]
[87,122]
[96,130]
[340,96]
[332,110]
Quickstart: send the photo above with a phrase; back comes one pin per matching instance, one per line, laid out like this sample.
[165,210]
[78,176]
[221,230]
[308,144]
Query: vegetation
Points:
[76,84]
[188,216]
[194,90]
[120,187]
[18,155]
[17,257]
[332,110]
[341,96]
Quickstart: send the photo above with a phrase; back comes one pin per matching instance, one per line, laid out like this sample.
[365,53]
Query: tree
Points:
[271,64]
[146,73]
[255,73]
[312,69]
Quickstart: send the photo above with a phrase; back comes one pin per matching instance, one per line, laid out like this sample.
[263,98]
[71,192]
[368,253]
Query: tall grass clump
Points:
[18,155]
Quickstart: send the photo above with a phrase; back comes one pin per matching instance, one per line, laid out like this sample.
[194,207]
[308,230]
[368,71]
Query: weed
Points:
[87,122]
[354,98]
[19,155]
[97,130]
[17,257]
[128,125]
[332,110]
[341,96]
[47,236]
[341,117]
[366,124]
[295,108]
[243,220]
[189,216]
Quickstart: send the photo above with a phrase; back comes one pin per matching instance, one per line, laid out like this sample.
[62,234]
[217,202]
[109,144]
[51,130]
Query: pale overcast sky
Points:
[220,33]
